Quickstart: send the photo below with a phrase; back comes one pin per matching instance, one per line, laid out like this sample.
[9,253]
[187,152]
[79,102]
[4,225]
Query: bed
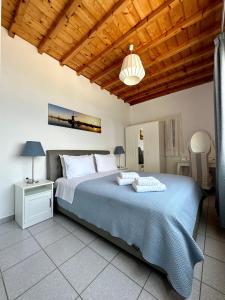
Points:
[158,228]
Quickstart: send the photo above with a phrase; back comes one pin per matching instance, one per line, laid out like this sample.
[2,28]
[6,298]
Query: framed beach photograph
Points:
[60,116]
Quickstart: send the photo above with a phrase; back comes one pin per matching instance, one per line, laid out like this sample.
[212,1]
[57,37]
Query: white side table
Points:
[33,202]
[123,169]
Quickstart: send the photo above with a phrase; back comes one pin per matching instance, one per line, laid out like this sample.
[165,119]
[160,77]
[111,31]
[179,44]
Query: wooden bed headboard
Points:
[54,168]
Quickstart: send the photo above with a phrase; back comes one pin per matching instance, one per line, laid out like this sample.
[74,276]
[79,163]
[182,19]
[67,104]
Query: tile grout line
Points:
[144,286]
[57,266]
[108,263]
[22,260]
[15,243]
[3,282]
[200,291]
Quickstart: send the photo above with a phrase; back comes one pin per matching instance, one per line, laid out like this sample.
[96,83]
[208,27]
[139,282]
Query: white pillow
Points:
[105,163]
[77,166]
[63,165]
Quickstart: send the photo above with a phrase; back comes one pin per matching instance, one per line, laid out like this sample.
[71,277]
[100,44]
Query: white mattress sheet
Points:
[65,188]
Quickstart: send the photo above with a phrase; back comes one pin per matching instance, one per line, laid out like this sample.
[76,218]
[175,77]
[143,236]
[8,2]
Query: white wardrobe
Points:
[152,143]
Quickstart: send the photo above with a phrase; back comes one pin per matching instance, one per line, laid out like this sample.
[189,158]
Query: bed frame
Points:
[54,171]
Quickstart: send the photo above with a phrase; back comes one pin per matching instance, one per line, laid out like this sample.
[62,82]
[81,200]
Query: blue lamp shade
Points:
[119,150]
[32,148]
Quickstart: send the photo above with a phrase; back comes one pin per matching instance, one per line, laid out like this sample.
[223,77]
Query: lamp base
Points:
[31,181]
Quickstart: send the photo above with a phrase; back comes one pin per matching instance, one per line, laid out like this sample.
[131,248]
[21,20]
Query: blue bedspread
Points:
[160,224]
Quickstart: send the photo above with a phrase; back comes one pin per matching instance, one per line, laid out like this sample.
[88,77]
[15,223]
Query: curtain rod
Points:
[223,16]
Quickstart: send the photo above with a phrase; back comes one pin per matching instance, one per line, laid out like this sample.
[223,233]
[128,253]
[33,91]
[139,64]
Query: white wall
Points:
[196,108]
[29,82]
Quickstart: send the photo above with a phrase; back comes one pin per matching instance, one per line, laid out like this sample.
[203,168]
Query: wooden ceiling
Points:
[174,39]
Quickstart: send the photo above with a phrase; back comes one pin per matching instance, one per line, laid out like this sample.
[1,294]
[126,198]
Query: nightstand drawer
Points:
[37,208]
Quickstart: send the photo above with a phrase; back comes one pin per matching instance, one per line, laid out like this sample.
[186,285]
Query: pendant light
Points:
[132,71]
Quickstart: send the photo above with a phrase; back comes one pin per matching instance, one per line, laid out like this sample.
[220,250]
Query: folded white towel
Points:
[148,188]
[132,175]
[124,181]
[147,181]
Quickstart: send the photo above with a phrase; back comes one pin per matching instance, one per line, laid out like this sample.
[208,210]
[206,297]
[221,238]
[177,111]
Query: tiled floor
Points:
[59,259]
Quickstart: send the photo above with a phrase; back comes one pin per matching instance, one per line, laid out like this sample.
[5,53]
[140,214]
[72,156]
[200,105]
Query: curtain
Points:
[172,136]
[219,96]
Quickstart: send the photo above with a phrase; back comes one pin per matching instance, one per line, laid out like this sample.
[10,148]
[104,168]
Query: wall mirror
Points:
[200,142]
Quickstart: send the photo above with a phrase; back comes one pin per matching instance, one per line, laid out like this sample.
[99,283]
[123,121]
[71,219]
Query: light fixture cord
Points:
[223,17]
[131,48]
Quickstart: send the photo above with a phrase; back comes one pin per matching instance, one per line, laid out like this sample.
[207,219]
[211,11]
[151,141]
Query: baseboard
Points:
[7,219]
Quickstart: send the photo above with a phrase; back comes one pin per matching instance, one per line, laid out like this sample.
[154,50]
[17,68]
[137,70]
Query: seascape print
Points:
[64,117]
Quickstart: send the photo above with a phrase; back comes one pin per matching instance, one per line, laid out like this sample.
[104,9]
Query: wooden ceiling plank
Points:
[192,42]
[150,17]
[115,9]
[172,84]
[60,21]
[185,72]
[204,13]
[173,90]
[20,10]
[179,63]
[173,80]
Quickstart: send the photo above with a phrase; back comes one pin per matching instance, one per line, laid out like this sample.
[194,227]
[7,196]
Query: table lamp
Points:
[118,151]
[32,149]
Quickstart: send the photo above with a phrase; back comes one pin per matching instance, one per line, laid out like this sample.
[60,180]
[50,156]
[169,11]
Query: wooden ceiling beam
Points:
[174,90]
[172,84]
[150,17]
[192,42]
[179,63]
[86,38]
[159,87]
[61,20]
[185,72]
[19,13]
[179,27]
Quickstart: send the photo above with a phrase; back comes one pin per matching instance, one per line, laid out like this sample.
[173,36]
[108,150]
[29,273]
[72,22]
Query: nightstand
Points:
[33,202]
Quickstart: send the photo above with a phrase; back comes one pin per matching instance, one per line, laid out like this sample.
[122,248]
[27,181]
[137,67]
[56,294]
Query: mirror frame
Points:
[206,132]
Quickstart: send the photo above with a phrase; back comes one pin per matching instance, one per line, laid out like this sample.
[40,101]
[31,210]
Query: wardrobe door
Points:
[154,157]
[132,148]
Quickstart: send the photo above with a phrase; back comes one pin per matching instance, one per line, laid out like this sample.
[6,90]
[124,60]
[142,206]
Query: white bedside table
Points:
[33,202]
[123,169]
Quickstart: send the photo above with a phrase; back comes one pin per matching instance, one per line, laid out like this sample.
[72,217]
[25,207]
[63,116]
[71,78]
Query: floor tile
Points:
[52,287]
[207,293]
[132,267]
[200,240]
[213,227]
[104,248]
[63,249]
[215,248]
[85,235]
[6,227]
[25,274]
[111,284]
[146,296]
[198,270]
[51,235]
[214,273]
[159,287]
[43,226]
[81,269]
[2,290]
[13,237]
[17,252]
[66,222]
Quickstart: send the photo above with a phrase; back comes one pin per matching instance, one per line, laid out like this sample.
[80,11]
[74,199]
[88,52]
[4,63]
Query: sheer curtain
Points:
[219,93]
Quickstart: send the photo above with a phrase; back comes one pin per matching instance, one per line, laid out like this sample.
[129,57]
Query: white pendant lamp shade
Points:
[132,71]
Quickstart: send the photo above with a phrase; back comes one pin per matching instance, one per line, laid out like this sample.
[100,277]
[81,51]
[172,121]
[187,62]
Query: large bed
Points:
[158,228]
